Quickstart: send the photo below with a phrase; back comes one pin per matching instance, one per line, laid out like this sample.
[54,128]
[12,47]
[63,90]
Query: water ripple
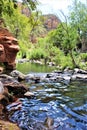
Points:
[66,105]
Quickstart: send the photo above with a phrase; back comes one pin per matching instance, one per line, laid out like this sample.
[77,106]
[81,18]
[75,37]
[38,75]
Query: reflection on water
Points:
[28,67]
[66,105]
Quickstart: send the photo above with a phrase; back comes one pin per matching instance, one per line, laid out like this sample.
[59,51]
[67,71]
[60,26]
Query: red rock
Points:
[51,21]
[8,48]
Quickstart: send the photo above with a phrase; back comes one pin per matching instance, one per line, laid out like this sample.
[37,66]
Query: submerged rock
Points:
[28,94]
[14,106]
[49,122]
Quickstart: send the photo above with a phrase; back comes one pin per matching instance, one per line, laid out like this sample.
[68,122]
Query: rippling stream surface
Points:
[65,105]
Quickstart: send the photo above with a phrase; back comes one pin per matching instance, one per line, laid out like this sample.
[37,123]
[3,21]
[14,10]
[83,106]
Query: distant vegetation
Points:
[66,45]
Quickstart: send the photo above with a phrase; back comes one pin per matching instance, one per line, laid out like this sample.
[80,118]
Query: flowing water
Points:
[65,105]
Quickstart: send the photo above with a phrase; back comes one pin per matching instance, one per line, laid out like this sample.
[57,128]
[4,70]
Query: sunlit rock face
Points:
[8,48]
[51,22]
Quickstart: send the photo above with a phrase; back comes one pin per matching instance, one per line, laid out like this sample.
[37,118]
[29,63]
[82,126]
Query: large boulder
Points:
[8,48]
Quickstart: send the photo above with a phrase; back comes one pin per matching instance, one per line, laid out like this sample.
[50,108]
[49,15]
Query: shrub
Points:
[84,56]
[37,54]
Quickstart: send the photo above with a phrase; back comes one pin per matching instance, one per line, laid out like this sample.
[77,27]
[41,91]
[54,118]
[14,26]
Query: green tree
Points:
[78,20]
[69,42]
[56,36]
[19,24]
[36,24]
[6,6]
[65,37]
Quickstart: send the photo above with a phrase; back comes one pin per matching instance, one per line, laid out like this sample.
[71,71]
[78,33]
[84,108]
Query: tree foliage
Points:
[19,24]
[73,32]
[31,4]
[8,6]
[65,37]
[61,42]
[78,20]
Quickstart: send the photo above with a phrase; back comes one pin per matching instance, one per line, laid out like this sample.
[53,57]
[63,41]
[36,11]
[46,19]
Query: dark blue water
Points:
[66,105]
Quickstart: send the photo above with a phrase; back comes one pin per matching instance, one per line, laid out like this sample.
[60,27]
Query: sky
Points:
[54,6]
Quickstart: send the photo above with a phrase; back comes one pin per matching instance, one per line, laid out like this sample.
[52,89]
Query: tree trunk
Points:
[84,44]
[73,60]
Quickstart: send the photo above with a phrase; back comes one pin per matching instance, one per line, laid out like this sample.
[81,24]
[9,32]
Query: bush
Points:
[84,56]
[37,54]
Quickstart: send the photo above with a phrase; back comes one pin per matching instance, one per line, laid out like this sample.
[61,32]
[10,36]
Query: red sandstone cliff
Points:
[8,48]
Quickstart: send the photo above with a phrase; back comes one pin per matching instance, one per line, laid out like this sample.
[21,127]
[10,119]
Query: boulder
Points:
[1,70]
[8,48]
[18,75]
[4,101]
[16,89]
[11,86]
[1,88]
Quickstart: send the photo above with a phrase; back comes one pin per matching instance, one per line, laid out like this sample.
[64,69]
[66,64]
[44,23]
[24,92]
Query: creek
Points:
[65,104]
